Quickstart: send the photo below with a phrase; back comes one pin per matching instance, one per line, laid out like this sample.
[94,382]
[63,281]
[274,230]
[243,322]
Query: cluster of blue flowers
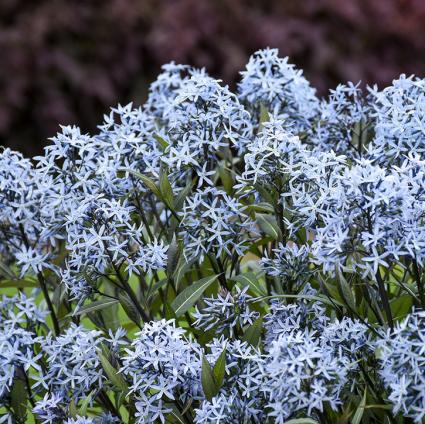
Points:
[216,257]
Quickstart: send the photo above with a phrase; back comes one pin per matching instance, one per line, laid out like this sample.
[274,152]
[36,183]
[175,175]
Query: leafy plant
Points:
[219,257]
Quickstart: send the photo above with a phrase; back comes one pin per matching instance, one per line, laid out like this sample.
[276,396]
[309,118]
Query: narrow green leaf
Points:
[251,280]
[5,269]
[301,421]
[357,418]
[72,409]
[176,414]
[401,306]
[269,226]
[265,193]
[253,333]
[209,385]
[129,307]
[261,207]
[181,270]
[264,115]
[94,306]
[169,311]
[173,256]
[226,179]
[148,182]
[181,197]
[161,141]
[19,284]
[19,397]
[166,189]
[86,402]
[345,290]
[220,369]
[190,295]
[116,379]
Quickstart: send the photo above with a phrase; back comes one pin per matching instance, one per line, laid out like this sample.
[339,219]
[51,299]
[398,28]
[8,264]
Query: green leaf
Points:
[116,379]
[401,306]
[162,142]
[250,279]
[173,256]
[19,397]
[169,312]
[253,333]
[19,284]
[220,369]
[226,179]
[129,307]
[72,409]
[269,226]
[264,115]
[149,183]
[83,409]
[190,295]
[345,290]
[181,270]
[209,385]
[261,207]
[59,295]
[110,317]
[94,306]
[265,193]
[301,421]
[181,197]
[331,288]
[5,269]
[166,189]
[357,418]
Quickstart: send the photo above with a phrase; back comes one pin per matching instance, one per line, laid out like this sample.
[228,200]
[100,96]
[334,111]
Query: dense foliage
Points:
[67,61]
[214,257]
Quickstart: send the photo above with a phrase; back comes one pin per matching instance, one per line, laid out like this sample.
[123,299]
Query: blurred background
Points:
[68,61]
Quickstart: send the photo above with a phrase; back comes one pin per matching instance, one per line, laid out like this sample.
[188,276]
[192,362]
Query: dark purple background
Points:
[64,61]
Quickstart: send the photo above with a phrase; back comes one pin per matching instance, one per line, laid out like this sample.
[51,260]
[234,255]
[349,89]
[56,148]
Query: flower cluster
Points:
[402,365]
[212,257]
[19,320]
[162,366]
[226,312]
[213,222]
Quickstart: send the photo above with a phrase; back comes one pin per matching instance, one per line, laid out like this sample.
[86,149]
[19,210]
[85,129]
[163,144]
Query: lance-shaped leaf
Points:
[94,306]
[190,295]
[19,284]
[166,189]
[250,279]
[207,379]
[357,418]
[253,332]
[116,379]
[212,378]
[269,226]
[345,290]
[149,183]
[220,369]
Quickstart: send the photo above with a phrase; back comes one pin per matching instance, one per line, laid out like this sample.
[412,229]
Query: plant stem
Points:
[419,282]
[384,299]
[45,291]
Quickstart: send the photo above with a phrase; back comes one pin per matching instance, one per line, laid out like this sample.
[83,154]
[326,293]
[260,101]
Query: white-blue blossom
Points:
[226,312]
[73,366]
[272,82]
[162,365]
[212,222]
[401,353]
